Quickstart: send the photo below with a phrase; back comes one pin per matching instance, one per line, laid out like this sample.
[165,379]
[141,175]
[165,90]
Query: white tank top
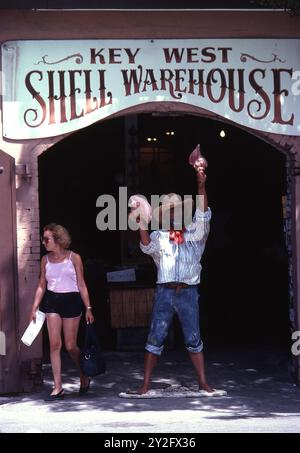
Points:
[61,277]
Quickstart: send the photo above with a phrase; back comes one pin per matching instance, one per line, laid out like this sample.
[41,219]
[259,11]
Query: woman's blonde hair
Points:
[61,235]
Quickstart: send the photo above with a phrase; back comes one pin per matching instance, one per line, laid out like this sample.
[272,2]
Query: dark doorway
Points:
[244,284]
[72,175]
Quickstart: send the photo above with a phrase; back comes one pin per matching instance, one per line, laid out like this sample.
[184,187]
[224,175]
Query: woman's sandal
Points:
[59,396]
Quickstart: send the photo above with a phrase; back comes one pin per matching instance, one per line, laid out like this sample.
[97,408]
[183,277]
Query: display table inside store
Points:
[130,311]
[130,306]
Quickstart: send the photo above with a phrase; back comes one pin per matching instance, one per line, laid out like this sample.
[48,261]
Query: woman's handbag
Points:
[92,361]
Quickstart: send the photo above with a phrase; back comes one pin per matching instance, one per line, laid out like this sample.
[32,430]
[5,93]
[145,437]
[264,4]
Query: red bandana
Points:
[177,236]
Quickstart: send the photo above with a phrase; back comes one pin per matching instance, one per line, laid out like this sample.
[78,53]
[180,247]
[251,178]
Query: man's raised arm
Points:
[202,196]
[143,225]
[144,233]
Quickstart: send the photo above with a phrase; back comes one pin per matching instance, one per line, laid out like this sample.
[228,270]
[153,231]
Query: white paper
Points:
[33,329]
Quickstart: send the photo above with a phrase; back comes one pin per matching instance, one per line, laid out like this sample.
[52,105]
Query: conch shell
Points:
[141,208]
[196,159]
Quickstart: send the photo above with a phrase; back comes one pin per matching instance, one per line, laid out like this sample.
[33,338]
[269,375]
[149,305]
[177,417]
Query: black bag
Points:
[92,361]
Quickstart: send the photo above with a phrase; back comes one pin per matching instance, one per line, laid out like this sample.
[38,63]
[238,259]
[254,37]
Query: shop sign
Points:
[59,86]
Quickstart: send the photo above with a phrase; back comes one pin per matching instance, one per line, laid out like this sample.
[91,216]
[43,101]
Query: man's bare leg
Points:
[149,364]
[197,359]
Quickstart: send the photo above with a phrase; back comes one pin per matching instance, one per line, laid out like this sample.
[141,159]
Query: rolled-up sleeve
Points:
[153,247]
[201,215]
[198,230]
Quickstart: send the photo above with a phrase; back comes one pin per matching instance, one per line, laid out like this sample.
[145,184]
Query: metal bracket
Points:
[23,170]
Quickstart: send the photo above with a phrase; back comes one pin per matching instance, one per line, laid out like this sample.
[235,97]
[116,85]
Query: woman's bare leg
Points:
[54,324]
[70,328]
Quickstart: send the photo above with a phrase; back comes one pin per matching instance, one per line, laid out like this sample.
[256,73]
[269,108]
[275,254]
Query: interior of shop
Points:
[244,289]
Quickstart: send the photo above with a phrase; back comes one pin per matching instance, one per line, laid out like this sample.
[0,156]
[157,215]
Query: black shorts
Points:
[66,305]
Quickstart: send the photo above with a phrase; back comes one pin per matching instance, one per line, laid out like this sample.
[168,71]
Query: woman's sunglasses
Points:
[45,239]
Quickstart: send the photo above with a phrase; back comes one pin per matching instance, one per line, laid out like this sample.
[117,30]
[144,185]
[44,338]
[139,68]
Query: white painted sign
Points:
[55,87]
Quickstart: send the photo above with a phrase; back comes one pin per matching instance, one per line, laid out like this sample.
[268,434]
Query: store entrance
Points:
[244,282]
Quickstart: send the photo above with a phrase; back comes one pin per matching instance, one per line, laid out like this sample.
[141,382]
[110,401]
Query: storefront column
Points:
[28,233]
[28,249]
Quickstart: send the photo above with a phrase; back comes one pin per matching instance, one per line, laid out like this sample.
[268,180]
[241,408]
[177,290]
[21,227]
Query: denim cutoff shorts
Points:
[185,304]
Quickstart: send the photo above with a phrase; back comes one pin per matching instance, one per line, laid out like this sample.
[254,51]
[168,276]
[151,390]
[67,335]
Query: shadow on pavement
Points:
[258,385]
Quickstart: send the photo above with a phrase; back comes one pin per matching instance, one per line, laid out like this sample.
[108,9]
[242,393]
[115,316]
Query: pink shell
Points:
[196,157]
[143,207]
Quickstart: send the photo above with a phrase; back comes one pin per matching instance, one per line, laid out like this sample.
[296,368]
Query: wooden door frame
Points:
[10,363]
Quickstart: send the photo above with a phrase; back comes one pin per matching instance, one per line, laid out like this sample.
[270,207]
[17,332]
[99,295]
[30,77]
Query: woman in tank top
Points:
[66,296]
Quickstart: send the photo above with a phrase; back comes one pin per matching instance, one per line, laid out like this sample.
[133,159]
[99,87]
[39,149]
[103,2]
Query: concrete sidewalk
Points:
[261,398]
